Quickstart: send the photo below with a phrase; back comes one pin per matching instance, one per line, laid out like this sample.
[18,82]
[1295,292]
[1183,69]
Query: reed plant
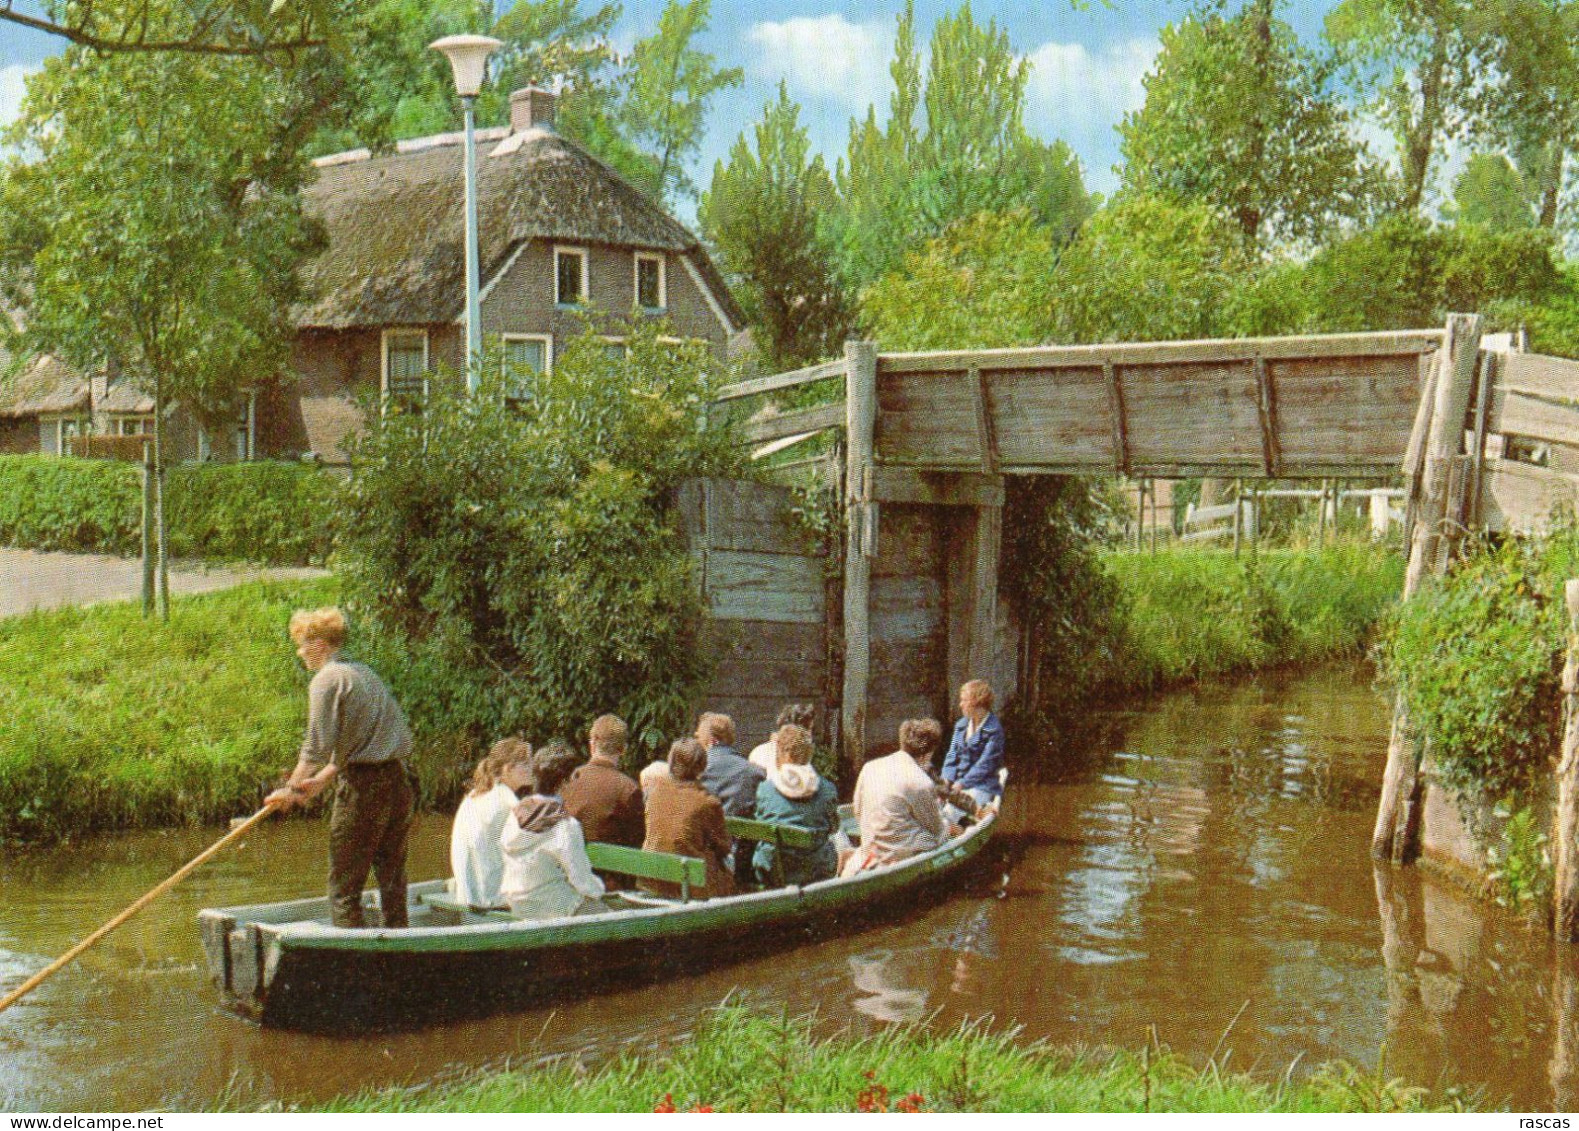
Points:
[1187,614]
[747,1060]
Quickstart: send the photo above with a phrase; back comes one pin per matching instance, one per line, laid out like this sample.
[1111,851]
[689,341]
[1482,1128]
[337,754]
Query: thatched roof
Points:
[44,385]
[395,224]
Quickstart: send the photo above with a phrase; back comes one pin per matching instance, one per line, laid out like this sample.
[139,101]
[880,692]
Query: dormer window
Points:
[570,276]
[650,283]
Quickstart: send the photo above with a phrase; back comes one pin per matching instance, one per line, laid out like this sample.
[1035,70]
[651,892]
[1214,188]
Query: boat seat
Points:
[448,905]
[771,832]
[666,867]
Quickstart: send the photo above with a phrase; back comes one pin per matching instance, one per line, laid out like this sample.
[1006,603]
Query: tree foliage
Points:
[515,557]
[666,93]
[1489,192]
[230,28]
[1239,117]
[955,144]
[761,216]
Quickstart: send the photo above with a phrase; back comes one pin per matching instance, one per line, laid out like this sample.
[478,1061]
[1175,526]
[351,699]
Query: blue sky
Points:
[1087,63]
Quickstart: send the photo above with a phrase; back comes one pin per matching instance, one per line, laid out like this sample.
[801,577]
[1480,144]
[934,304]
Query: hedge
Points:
[273,513]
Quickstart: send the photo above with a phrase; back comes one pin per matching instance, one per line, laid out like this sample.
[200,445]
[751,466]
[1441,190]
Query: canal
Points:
[1199,871]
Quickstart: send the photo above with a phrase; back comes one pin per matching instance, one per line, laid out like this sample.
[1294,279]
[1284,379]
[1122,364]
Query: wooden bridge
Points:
[1481,437]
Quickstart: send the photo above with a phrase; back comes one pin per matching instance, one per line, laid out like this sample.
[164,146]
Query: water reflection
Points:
[1202,869]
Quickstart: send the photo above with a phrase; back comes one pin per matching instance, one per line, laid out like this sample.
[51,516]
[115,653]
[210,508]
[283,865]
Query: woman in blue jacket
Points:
[976,753]
[794,795]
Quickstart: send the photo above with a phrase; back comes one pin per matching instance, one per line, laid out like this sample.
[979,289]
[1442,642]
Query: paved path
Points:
[32,580]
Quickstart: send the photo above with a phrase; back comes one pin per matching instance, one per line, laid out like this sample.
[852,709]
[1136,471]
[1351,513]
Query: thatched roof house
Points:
[396,224]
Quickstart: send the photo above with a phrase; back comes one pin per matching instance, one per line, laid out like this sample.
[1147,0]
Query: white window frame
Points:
[383,357]
[84,428]
[548,347]
[248,418]
[119,421]
[586,280]
[663,281]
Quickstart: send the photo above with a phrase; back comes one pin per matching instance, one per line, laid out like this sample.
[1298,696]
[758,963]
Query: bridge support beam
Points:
[1437,515]
[860,405]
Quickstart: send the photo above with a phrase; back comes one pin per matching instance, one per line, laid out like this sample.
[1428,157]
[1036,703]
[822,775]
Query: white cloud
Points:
[825,59]
[12,88]
[1080,94]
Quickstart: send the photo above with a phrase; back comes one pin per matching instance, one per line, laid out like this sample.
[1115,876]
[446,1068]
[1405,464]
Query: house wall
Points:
[522,301]
[19,436]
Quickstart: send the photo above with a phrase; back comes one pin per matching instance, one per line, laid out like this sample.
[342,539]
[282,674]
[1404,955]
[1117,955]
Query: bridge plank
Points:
[742,585]
[1167,405]
[1517,412]
[809,375]
[1554,377]
[754,516]
[1061,416]
[1520,497]
[1345,410]
[1120,427]
[1266,401]
[795,423]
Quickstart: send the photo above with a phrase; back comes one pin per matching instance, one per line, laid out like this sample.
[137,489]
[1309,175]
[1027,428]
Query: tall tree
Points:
[1529,52]
[955,144]
[221,27]
[666,94]
[156,234]
[1489,192]
[762,214]
[1410,61]
[1241,118]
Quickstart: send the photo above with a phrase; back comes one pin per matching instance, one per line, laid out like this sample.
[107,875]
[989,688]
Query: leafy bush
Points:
[512,561]
[277,513]
[1477,658]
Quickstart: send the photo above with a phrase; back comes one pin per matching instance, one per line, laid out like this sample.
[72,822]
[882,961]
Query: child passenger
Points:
[546,870]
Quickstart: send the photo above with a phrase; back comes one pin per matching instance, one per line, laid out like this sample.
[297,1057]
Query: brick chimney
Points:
[533,106]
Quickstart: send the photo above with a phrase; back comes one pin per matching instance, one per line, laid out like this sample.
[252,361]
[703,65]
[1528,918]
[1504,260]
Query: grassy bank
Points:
[111,720]
[1188,614]
[748,1062]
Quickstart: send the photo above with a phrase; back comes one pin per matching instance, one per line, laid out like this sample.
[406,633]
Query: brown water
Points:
[1203,869]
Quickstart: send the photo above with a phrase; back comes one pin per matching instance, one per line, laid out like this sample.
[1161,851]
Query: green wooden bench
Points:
[770,832]
[687,871]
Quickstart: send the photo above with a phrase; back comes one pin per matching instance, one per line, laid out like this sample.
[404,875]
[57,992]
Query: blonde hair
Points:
[978,693]
[721,728]
[792,746]
[502,755]
[608,735]
[326,624]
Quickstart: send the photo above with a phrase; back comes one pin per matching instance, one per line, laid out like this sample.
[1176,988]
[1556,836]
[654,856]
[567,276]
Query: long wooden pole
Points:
[186,870]
[1567,830]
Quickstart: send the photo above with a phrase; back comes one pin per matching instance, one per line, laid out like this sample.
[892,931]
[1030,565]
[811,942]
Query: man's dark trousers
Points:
[372,812]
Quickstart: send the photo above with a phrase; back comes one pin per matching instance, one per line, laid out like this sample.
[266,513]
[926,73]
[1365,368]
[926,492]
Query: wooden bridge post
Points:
[860,419]
[1566,832]
[1397,833]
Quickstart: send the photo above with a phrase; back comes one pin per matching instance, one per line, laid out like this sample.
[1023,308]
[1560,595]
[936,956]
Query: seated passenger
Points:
[765,756]
[546,871]
[476,860]
[976,753]
[896,803]
[728,776]
[794,795]
[606,802]
[683,818]
[654,771]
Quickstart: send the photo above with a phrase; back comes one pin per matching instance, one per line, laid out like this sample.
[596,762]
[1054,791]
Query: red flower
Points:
[665,1105]
[912,1103]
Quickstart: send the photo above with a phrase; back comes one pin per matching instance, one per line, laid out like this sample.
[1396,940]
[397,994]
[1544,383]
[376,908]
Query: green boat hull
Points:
[282,963]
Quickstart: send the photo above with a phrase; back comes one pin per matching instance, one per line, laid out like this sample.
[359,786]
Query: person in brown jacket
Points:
[683,818]
[606,802]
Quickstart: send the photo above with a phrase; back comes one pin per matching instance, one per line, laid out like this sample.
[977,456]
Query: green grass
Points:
[110,720]
[747,1061]
[1190,614]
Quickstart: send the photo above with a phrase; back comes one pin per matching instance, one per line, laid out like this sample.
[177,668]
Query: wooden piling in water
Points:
[1397,833]
[1566,832]
[860,405]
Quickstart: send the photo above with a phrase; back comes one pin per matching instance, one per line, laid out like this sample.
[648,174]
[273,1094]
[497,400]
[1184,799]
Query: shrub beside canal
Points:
[746,1061]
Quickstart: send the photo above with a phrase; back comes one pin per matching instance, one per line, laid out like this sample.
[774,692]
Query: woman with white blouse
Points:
[476,858]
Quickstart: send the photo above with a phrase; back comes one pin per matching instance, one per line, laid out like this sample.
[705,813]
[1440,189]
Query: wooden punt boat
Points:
[284,963]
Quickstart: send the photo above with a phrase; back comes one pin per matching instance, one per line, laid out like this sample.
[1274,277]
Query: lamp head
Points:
[468,55]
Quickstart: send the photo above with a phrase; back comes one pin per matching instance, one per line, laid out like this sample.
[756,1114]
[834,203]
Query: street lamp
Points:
[468,55]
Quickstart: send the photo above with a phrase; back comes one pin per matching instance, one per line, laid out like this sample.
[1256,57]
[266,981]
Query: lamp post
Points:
[468,55]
